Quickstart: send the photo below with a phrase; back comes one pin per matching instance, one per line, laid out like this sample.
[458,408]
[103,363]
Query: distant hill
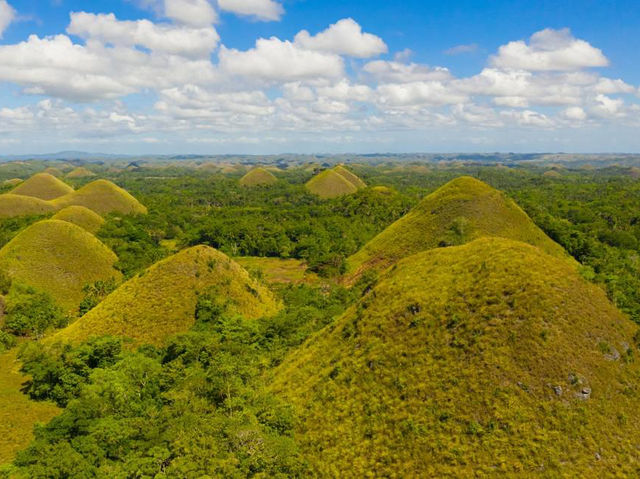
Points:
[81,216]
[350,177]
[53,171]
[482,360]
[103,197]
[458,212]
[162,301]
[13,182]
[59,258]
[12,206]
[330,184]
[81,172]
[44,186]
[258,177]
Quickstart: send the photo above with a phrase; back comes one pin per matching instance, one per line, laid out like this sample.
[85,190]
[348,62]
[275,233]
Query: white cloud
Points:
[265,10]
[417,93]
[276,60]
[574,113]
[7,15]
[177,40]
[343,38]
[462,49]
[395,72]
[549,50]
[195,13]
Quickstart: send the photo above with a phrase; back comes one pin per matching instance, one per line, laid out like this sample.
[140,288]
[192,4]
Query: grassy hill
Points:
[81,216]
[460,211]
[350,177]
[80,172]
[59,258]
[43,186]
[491,359]
[13,182]
[258,177]
[12,206]
[53,171]
[103,197]
[330,184]
[162,301]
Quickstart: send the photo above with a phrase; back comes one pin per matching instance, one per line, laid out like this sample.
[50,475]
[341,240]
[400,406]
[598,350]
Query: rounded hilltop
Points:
[468,360]
[43,186]
[82,217]
[460,211]
[103,197]
[334,183]
[161,302]
[80,172]
[59,258]
[12,206]
[258,177]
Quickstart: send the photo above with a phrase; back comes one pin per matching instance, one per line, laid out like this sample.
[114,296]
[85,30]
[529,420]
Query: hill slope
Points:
[329,184]
[488,359]
[59,258]
[460,211]
[82,217]
[12,206]
[162,301]
[80,172]
[258,177]
[350,177]
[103,197]
[43,186]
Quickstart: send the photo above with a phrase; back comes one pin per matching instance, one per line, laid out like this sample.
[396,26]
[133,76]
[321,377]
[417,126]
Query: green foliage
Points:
[95,293]
[31,313]
[7,341]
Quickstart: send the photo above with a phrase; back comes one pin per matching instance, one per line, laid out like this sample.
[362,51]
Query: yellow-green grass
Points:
[161,302]
[258,177]
[383,190]
[491,359]
[350,177]
[59,258]
[103,197]
[460,211]
[551,174]
[82,217]
[18,414]
[80,172]
[53,171]
[329,184]
[279,270]
[44,186]
[12,206]
[13,182]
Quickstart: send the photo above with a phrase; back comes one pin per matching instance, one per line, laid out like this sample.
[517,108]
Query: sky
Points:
[319,76]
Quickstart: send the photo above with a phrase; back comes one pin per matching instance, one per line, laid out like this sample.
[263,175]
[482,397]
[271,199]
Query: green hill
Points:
[258,177]
[80,172]
[103,197]
[350,177]
[491,359]
[329,184]
[460,211]
[12,206]
[81,216]
[13,182]
[162,301]
[43,186]
[58,258]
[53,171]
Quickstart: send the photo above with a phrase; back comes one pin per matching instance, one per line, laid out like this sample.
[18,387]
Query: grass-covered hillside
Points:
[330,184]
[13,206]
[458,212]
[44,186]
[59,258]
[487,359]
[80,172]
[258,177]
[103,197]
[350,177]
[161,302]
[80,216]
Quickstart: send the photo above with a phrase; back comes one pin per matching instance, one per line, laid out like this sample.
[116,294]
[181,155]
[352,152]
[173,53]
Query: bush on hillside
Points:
[31,313]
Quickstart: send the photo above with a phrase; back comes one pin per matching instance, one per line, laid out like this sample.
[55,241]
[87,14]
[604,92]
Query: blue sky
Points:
[236,76]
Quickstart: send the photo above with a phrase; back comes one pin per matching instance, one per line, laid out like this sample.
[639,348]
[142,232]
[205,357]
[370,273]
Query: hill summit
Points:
[162,301]
[12,206]
[458,212]
[258,177]
[80,172]
[59,258]
[43,186]
[487,359]
[334,183]
[103,197]
[80,216]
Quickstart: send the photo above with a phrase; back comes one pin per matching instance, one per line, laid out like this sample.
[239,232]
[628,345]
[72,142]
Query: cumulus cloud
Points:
[549,50]
[397,72]
[343,38]
[264,10]
[276,60]
[7,15]
[177,40]
[195,13]
[462,49]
